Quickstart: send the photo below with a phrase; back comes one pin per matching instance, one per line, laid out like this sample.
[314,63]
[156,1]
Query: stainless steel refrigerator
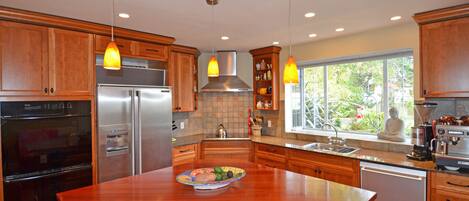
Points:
[134,129]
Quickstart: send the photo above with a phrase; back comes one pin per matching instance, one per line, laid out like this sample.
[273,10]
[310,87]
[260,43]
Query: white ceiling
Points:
[248,23]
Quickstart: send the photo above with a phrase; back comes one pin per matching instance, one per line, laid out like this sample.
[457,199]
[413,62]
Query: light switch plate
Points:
[269,123]
[181,125]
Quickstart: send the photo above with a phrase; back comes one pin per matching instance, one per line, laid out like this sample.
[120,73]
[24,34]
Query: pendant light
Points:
[112,58]
[290,72]
[213,70]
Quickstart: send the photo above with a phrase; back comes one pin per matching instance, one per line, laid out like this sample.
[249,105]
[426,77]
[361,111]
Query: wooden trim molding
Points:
[266,50]
[30,17]
[442,14]
[185,49]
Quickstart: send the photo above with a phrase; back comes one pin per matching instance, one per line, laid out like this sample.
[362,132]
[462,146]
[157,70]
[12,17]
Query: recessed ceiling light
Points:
[312,35]
[225,37]
[310,14]
[339,29]
[124,15]
[275,43]
[396,18]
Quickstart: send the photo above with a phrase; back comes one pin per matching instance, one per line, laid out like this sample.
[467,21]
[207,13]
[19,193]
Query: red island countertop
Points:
[261,183]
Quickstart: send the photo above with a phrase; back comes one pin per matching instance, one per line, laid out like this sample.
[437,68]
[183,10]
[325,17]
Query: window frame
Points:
[384,56]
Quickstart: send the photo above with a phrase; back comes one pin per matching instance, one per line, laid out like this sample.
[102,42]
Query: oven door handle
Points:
[44,175]
[43,117]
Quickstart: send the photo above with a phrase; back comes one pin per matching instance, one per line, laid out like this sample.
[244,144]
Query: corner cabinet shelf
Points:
[266,77]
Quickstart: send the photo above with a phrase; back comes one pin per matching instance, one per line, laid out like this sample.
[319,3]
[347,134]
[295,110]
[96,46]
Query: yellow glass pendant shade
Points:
[290,73]
[213,70]
[112,57]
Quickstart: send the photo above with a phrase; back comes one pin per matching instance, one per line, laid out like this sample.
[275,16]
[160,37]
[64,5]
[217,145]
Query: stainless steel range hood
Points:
[228,81]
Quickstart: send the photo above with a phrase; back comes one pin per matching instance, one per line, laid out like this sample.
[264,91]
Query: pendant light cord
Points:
[212,28]
[289,24]
[112,21]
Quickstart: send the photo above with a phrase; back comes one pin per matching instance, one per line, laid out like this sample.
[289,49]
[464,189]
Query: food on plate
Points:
[201,171]
[205,177]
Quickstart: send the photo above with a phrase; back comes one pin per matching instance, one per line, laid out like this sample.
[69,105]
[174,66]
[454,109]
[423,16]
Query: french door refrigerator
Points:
[134,129]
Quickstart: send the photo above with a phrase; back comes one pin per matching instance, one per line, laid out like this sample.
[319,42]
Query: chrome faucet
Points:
[335,140]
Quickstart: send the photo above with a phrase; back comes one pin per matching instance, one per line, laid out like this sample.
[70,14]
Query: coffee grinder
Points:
[422,134]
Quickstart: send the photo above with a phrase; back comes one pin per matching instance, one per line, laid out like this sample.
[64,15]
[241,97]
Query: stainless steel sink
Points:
[323,147]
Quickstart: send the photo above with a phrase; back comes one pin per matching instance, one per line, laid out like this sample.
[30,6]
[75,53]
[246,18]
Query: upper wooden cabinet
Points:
[266,77]
[24,59]
[131,48]
[444,50]
[71,63]
[182,77]
[40,61]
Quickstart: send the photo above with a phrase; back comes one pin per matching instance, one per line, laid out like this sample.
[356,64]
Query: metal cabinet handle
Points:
[459,185]
[152,50]
[52,90]
[392,174]
[119,45]
[46,90]
[424,92]
[184,151]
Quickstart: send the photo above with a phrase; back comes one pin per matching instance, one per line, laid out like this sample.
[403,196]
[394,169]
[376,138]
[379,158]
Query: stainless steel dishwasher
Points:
[393,183]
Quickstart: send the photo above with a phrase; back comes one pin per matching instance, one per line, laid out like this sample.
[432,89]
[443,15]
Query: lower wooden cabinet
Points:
[185,154]
[333,168]
[448,187]
[228,149]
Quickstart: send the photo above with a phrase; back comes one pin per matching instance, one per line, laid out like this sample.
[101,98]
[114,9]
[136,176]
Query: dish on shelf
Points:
[211,178]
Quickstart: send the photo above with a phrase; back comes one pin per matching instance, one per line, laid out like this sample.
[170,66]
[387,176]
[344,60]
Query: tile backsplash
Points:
[227,108]
[214,108]
[450,106]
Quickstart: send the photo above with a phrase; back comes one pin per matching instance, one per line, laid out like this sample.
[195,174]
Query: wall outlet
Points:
[181,125]
[269,123]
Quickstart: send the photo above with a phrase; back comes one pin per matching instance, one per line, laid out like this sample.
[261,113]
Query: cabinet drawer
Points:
[271,149]
[184,154]
[152,51]
[303,168]
[125,46]
[442,181]
[270,161]
[449,196]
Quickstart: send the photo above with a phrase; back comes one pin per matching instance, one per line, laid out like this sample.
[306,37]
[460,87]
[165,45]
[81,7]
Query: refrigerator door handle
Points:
[138,135]
[132,136]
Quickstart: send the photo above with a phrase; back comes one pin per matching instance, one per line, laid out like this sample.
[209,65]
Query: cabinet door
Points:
[152,51]
[185,72]
[449,196]
[126,47]
[339,175]
[173,79]
[23,59]
[303,168]
[72,63]
[444,58]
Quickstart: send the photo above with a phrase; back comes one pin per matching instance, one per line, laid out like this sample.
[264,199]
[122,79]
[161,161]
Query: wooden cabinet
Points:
[24,60]
[333,168]
[126,47]
[132,48]
[448,187]
[185,154]
[444,46]
[226,149]
[71,63]
[265,62]
[182,76]
[40,61]
[269,155]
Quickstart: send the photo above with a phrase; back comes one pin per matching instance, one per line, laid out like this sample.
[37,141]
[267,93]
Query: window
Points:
[353,94]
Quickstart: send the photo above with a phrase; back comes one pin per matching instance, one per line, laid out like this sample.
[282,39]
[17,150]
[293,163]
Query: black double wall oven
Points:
[46,148]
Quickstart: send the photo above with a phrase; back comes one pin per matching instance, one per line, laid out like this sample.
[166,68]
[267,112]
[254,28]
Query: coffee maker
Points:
[422,134]
[452,146]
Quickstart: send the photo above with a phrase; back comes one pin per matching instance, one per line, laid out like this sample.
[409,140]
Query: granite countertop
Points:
[384,157]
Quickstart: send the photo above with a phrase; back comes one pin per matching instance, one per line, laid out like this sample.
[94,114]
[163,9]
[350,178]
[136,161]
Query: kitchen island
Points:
[260,183]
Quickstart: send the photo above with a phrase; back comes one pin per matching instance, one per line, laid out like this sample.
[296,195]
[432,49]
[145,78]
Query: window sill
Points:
[349,136]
